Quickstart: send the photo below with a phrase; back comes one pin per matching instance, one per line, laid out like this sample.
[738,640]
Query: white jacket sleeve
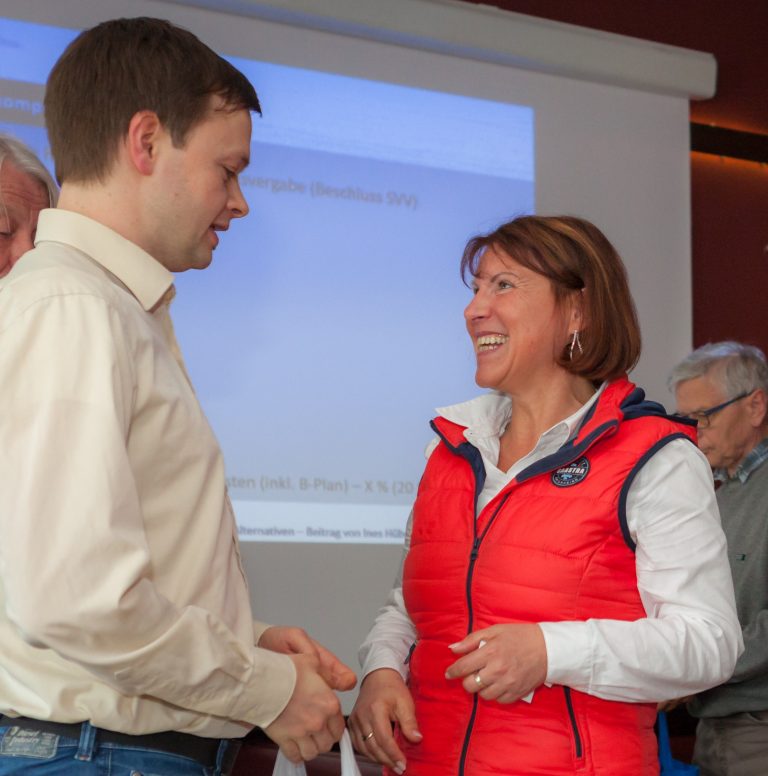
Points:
[691,637]
[389,641]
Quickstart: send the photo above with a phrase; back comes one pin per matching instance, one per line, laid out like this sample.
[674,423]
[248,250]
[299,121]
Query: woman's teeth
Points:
[490,342]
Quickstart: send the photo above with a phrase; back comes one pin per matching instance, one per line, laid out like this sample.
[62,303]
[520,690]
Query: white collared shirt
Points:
[691,637]
[122,596]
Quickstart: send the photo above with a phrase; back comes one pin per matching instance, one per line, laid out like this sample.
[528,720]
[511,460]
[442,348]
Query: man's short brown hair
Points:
[120,67]
[576,257]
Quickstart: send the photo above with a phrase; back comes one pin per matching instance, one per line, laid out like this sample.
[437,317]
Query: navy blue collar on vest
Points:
[620,401]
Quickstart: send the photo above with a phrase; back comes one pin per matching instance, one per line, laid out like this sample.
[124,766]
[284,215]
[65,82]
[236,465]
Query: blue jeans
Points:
[46,754]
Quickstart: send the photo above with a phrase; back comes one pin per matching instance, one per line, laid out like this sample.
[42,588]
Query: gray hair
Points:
[22,157]
[734,367]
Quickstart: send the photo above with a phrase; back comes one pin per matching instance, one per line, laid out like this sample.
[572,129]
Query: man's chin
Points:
[714,461]
[203,261]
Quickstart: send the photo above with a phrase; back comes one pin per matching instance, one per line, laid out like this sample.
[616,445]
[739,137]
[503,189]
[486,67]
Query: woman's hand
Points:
[502,663]
[383,699]
[296,641]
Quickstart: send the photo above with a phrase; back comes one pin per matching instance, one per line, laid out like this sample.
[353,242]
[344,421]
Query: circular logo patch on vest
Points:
[572,474]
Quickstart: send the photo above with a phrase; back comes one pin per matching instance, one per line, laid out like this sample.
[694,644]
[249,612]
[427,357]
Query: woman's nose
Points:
[477,307]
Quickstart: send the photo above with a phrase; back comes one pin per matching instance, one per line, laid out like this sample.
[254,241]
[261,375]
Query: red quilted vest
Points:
[552,545]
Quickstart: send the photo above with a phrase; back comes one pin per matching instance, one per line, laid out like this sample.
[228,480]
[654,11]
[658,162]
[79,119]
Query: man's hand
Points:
[296,641]
[311,722]
[502,663]
[383,699]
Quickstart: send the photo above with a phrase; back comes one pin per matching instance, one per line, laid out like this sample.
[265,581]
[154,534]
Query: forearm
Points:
[389,641]
[199,664]
[140,643]
[690,637]
[647,660]
[78,580]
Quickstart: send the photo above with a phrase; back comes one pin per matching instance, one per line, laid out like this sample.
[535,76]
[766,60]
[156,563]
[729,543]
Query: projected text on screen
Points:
[330,324]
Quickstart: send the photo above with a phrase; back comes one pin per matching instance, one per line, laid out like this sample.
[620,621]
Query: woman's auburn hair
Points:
[576,257]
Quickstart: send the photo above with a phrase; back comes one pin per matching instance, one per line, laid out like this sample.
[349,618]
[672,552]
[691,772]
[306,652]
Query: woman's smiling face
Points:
[517,328]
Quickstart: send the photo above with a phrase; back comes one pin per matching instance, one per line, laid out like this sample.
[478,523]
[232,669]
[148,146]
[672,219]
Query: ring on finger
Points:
[478,680]
[369,736]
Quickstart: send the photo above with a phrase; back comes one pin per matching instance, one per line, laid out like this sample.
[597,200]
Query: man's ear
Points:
[757,404]
[142,141]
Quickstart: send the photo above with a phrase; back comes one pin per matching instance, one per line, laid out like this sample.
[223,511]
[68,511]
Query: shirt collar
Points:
[753,460]
[148,280]
[489,414]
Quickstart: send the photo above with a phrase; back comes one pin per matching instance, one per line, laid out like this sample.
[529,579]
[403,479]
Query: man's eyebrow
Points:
[238,162]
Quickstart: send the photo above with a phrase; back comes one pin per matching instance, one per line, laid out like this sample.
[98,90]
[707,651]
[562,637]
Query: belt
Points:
[203,750]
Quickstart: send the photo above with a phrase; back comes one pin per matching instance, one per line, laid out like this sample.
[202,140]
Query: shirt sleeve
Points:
[77,574]
[389,641]
[691,638]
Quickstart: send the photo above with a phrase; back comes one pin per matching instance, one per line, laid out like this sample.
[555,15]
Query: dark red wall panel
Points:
[729,199]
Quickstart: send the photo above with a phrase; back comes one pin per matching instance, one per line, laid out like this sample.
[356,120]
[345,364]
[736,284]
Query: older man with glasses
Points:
[724,387]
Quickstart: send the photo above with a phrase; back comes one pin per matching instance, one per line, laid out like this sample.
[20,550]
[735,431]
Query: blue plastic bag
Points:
[669,766]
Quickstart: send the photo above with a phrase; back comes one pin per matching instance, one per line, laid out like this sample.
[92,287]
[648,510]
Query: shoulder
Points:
[649,421]
[676,470]
[58,275]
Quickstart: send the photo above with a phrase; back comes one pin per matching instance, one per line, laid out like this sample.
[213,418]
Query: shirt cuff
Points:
[570,658]
[268,689]
[258,630]
[383,657]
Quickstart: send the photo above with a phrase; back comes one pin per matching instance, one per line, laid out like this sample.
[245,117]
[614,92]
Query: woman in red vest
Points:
[564,567]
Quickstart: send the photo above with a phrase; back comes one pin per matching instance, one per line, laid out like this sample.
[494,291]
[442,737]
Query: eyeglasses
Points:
[702,417]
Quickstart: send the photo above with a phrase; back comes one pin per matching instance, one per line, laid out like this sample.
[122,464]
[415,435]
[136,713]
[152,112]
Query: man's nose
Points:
[237,204]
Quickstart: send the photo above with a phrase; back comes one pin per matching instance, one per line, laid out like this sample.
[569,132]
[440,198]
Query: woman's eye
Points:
[504,284]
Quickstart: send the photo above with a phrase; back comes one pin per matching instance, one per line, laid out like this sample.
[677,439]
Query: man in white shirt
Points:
[125,621]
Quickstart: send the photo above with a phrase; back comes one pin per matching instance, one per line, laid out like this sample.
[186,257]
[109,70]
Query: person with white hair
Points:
[724,386]
[26,187]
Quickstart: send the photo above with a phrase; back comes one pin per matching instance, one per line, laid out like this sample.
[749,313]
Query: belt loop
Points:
[87,746]
[226,756]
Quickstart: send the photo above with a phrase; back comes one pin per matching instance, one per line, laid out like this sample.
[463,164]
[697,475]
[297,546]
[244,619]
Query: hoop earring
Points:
[575,343]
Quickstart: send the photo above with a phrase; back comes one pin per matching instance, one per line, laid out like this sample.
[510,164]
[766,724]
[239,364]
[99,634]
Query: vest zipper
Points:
[574,725]
[470,621]
[575,454]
